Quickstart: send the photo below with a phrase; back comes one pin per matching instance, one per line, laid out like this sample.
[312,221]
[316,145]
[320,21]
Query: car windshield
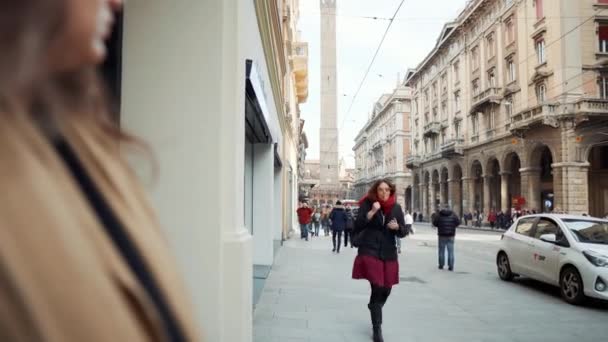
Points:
[587,231]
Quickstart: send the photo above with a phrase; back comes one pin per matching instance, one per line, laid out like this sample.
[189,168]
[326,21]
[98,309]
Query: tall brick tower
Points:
[329,164]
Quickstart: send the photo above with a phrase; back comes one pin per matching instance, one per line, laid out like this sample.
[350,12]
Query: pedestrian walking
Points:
[338,220]
[83,254]
[409,227]
[446,223]
[380,220]
[316,221]
[420,217]
[304,218]
[325,224]
[468,217]
[415,216]
[350,226]
[492,219]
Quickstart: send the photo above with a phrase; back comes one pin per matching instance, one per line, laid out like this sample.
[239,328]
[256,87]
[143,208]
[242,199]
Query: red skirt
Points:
[376,271]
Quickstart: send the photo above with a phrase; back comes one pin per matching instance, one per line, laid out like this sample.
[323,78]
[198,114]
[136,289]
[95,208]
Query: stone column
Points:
[423,198]
[201,150]
[431,203]
[571,188]
[530,187]
[468,194]
[263,204]
[442,197]
[454,195]
[504,191]
[487,183]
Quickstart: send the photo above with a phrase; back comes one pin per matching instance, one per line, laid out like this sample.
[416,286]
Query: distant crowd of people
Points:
[339,220]
[496,219]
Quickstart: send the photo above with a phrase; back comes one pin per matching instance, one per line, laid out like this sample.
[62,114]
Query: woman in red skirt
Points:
[379,221]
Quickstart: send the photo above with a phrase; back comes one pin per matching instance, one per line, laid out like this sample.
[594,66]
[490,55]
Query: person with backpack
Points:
[350,226]
[379,222]
[338,220]
[446,222]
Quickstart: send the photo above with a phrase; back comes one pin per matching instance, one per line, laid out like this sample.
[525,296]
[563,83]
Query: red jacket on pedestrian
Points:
[304,215]
[492,217]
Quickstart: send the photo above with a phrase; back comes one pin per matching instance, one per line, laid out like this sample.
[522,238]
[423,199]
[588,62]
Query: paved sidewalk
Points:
[310,296]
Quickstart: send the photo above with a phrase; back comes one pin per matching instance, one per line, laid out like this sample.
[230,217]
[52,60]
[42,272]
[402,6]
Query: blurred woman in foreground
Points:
[81,254]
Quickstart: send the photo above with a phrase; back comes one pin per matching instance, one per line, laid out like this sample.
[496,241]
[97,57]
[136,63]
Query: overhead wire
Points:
[378,49]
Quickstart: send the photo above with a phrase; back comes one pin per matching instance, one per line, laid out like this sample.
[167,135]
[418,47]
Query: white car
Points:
[563,250]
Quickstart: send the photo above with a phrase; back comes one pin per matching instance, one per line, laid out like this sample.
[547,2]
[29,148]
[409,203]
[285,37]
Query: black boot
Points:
[376,313]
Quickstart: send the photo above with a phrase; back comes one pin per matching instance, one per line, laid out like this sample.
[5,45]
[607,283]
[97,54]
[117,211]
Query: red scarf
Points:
[386,206]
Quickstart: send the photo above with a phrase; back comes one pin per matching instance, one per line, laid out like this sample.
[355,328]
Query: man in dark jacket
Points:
[446,222]
[338,224]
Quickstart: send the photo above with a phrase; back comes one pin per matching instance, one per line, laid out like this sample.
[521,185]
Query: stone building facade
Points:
[510,109]
[383,145]
[323,195]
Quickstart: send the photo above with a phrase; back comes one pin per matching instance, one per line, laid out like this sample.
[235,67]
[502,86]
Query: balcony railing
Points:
[412,162]
[299,59]
[592,106]
[453,147]
[432,128]
[492,95]
[545,114]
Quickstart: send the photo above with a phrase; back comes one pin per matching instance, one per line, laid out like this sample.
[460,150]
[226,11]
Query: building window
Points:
[457,71]
[491,119]
[510,31]
[603,84]
[457,129]
[603,37]
[474,123]
[509,105]
[475,58]
[540,51]
[539,9]
[541,93]
[443,136]
[511,70]
[492,78]
[491,46]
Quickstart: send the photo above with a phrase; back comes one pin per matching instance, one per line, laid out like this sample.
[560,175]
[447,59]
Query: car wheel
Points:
[504,267]
[571,286]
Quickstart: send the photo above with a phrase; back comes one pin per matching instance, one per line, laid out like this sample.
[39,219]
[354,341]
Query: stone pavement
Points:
[310,296]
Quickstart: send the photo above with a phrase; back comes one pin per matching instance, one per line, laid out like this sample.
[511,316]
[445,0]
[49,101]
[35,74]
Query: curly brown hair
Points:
[372,194]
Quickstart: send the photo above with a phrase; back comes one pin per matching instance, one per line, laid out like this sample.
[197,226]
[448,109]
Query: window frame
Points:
[541,99]
[541,50]
[540,10]
[511,70]
[603,86]
[536,230]
[532,228]
[602,44]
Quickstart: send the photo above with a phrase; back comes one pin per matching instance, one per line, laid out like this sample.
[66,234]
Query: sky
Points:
[411,37]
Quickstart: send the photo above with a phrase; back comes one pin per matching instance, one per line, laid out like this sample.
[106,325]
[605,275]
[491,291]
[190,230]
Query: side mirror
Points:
[550,238]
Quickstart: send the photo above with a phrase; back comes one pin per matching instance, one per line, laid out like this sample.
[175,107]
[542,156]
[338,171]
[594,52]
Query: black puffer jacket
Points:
[373,237]
[446,223]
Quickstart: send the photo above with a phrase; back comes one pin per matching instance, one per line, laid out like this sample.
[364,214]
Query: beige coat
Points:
[61,278]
